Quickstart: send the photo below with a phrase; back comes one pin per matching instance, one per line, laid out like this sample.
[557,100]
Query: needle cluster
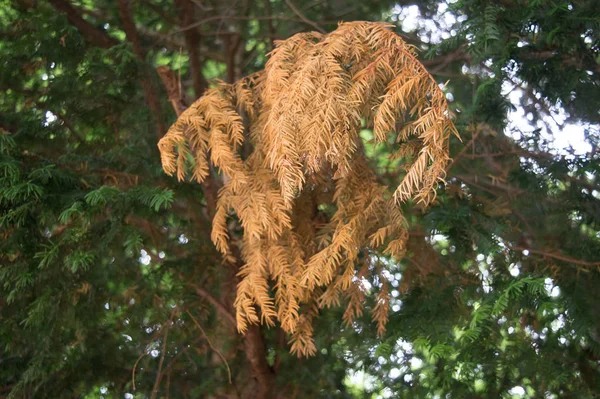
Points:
[286,141]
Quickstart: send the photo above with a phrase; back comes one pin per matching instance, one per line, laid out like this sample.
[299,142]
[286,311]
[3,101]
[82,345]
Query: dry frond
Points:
[382,306]
[305,196]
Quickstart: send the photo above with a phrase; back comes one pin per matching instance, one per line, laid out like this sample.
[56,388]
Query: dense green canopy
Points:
[110,285]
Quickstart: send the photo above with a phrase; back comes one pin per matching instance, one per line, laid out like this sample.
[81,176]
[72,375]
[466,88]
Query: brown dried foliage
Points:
[301,117]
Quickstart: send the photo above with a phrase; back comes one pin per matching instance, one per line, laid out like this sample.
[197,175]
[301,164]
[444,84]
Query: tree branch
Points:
[173,86]
[568,60]
[489,185]
[211,345]
[162,357]
[149,34]
[92,34]
[437,64]
[270,26]
[232,44]
[64,120]
[146,81]
[168,18]
[556,256]
[239,18]
[192,38]
[213,301]
[303,17]
[471,143]
[256,354]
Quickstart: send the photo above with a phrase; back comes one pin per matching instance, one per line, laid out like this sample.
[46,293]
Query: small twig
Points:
[206,295]
[271,27]
[169,367]
[162,356]
[70,127]
[240,18]
[303,17]
[556,256]
[179,91]
[168,383]
[63,119]
[172,85]
[210,344]
[487,184]
[464,149]
[443,61]
[144,353]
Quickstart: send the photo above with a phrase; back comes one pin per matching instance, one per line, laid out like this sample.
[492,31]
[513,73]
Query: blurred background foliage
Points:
[110,286]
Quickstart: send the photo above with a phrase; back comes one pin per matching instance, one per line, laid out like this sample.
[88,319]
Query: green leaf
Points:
[49,255]
[67,214]
[101,195]
[79,260]
[165,197]
[134,242]
[7,142]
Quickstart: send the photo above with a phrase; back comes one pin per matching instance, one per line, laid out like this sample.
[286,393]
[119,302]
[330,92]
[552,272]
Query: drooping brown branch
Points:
[171,82]
[146,80]
[301,116]
[255,348]
[92,34]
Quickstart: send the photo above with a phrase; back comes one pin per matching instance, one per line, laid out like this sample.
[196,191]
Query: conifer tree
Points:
[321,157]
